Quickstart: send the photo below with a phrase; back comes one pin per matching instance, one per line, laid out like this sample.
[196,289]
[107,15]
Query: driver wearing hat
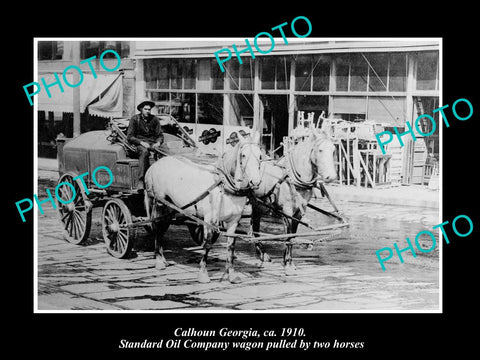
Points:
[145,132]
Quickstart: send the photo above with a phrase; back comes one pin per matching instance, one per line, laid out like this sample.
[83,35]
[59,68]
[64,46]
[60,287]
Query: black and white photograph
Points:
[241,182]
[185,180]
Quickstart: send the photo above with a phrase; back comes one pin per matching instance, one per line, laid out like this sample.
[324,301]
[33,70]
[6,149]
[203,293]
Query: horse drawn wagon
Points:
[207,193]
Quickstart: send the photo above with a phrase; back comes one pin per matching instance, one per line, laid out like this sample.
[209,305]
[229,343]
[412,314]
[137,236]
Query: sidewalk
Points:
[409,195]
[48,169]
[412,195]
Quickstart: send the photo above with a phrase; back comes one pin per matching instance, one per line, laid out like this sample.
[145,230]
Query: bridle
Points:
[230,183]
[295,175]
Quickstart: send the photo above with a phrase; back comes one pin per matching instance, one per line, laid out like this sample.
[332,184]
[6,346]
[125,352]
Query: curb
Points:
[426,199]
[402,197]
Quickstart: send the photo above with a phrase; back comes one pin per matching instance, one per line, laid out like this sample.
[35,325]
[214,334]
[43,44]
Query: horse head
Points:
[247,173]
[322,155]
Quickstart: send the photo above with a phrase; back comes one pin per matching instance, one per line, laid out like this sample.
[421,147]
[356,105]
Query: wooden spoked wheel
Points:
[117,234]
[196,231]
[76,215]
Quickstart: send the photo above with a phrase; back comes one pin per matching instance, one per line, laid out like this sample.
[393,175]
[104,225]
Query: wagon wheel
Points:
[76,216]
[196,231]
[118,236]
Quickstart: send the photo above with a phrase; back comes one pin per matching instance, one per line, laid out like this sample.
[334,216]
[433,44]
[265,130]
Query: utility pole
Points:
[76,90]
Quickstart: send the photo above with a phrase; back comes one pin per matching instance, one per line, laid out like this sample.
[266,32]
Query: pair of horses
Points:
[222,201]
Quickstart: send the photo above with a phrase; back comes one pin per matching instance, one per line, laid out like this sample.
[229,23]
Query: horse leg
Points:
[259,249]
[288,253]
[159,232]
[160,261]
[233,277]
[203,273]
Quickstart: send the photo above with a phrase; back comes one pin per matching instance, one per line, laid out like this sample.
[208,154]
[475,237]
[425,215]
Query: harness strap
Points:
[296,178]
[279,212]
[279,182]
[192,217]
[202,195]
[229,183]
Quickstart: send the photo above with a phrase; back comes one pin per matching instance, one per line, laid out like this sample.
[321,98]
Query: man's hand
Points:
[145,144]
[157,144]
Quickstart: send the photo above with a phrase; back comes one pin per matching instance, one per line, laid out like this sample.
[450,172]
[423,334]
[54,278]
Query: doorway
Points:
[274,117]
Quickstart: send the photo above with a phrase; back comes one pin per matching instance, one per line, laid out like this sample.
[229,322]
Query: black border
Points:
[384,334]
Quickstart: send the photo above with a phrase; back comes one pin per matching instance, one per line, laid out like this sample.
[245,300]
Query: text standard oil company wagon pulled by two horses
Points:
[209,194]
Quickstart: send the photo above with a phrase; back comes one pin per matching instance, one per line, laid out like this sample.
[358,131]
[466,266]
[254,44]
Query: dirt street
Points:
[341,273]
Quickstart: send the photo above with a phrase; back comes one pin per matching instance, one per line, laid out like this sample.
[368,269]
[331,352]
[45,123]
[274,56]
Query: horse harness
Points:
[225,180]
[229,182]
[295,175]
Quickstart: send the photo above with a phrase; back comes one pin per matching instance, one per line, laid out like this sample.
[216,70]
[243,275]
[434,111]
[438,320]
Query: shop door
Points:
[274,112]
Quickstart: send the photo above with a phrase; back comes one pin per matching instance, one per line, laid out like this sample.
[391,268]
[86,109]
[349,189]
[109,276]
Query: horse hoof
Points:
[265,264]
[290,270]
[234,278]
[160,266]
[203,277]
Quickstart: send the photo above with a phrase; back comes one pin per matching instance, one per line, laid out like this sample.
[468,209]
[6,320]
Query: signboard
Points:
[209,138]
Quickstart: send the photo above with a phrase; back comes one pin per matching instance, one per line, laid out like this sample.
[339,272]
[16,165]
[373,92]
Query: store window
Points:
[358,73]
[50,50]
[217,75]
[247,74]
[349,107]
[315,104]
[162,102]
[183,107]
[387,109]
[282,73]
[321,73]
[427,70]
[240,76]
[303,68]
[378,72]
[397,74]
[174,74]
[182,73]
[210,109]
[189,73]
[156,73]
[342,70]
[240,110]
[232,72]
[268,68]
[161,70]
[96,48]
[312,73]
[275,73]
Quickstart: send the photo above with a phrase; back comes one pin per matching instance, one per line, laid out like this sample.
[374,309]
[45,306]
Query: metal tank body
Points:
[91,150]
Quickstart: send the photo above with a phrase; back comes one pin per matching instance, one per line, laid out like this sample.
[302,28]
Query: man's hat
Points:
[145,102]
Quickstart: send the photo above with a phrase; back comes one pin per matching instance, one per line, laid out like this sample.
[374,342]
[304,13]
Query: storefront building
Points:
[388,81]
[102,94]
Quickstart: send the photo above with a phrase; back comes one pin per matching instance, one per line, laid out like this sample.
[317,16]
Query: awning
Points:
[90,89]
[110,103]
[206,47]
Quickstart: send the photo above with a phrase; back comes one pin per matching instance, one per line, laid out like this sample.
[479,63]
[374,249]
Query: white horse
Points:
[288,185]
[181,182]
